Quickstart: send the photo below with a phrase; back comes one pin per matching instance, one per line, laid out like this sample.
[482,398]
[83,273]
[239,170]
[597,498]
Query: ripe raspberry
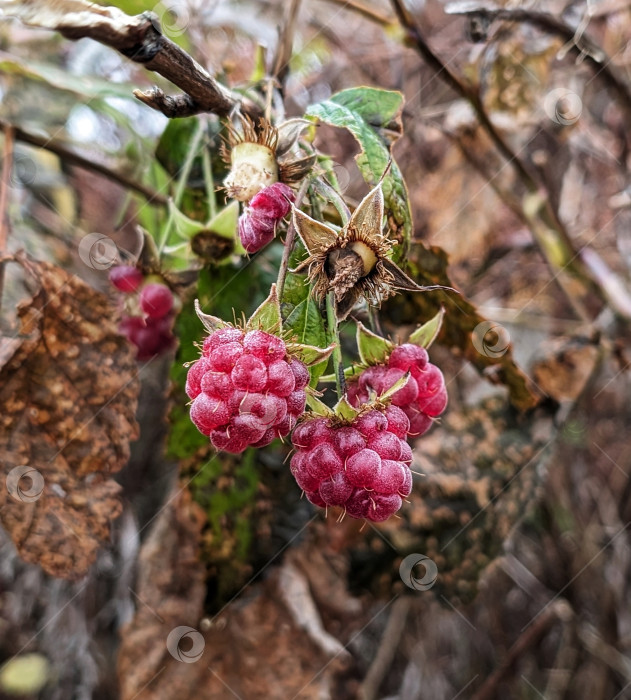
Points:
[360,466]
[257,224]
[156,300]
[126,278]
[150,336]
[423,397]
[244,389]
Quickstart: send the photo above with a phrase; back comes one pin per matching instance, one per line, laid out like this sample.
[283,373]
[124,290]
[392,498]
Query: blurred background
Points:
[515,151]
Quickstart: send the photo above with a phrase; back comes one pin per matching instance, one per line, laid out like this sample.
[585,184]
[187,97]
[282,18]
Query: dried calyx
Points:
[261,154]
[353,262]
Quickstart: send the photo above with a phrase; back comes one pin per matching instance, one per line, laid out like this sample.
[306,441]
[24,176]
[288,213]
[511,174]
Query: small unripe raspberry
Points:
[156,300]
[257,224]
[126,278]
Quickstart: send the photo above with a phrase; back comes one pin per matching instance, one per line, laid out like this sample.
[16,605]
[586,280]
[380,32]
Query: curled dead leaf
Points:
[68,394]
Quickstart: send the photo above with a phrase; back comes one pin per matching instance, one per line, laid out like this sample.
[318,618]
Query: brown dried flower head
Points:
[260,155]
[353,262]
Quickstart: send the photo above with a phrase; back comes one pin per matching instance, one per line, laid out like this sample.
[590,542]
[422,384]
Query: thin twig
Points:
[5,181]
[290,239]
[75,159]
[338,364]
[140,39]
[366,12]
[582,45]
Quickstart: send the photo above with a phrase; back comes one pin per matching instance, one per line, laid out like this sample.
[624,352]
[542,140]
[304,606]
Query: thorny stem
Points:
[290,239]
[7,165]
[182,182]
[338,365]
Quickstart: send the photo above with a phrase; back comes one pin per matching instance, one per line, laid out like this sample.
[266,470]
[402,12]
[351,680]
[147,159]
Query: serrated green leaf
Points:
[426,334]
[344,410]
[373,349]
[267,317]
[373,117]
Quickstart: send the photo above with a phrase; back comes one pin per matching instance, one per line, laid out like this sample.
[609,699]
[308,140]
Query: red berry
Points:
[336,490]
[315,498]
[265,346]
[391,478]
[363,468]
[249,373]
[386,444]
[311,433]
[348,441]
[126,278]
[255,232]
[156,300]
[398,422]
[408,355]
[371,423]
[301,373]
[274,201]
[324,461]
[250,377]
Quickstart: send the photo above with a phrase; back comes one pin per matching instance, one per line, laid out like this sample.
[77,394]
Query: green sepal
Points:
[373,349]
[309,354]
[267,317]
[317,407]
[211,323]
[225,221]
[344,410]
[185,227]
[349,373]
[426,334]
[394,388]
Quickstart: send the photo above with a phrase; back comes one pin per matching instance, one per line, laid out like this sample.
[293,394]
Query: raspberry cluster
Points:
[362,466]
[150,326]
[423,397]
[257,224]
[246,390]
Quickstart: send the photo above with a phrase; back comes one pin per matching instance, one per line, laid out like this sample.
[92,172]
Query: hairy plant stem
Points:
[338,365]
[290,239]
[182,182]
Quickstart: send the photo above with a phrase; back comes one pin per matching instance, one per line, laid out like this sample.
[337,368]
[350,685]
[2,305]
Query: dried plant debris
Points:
[68,394]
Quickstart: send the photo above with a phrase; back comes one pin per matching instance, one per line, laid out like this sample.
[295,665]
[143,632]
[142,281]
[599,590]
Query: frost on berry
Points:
[244,389]
[361,466]
[423,397]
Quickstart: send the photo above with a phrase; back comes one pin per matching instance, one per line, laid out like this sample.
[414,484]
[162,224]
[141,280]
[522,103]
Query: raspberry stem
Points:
[338,365]
[290,239]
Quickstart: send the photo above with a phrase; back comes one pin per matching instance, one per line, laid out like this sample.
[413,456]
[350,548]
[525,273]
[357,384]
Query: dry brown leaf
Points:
[68,393]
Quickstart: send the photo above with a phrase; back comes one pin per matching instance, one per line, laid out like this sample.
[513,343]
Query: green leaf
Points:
[267,317]
[318,407]
[426,334]
[373,349]
[225,222]
[373,117]
[309,354]
[306,324]
[395,387]
[211,323]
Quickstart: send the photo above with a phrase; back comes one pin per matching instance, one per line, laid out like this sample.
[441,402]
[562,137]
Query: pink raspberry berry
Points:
[244,389]
[360,466]
[423,397]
